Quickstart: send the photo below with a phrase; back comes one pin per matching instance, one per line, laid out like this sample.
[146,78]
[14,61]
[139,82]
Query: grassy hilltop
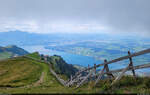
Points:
[22,75]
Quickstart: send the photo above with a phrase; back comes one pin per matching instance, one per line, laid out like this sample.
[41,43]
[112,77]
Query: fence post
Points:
[71,78]
[101,73]
[86,77]
[89,71]
[95,70]
[88,66]
[131,64]
[119,76]
[107,70]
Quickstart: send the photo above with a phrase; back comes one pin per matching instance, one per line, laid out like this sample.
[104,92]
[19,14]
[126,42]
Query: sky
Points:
[76,16]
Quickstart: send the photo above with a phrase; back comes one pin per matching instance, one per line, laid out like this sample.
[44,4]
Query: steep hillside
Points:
[59,65]
[10,51]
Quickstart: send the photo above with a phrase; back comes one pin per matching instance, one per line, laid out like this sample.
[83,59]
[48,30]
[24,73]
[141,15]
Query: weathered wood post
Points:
[71,78]
[125,69]
[101,73]
[119,77]
[89,71]
[131,64]
[110,75]
[95,70]
[85,78]
[88,66]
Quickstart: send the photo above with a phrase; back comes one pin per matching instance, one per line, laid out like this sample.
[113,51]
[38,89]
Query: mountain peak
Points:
[11,46]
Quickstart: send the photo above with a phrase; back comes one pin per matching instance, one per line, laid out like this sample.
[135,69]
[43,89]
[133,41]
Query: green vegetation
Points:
[127,84]
[58,64]
[34,55]
[5,55]
[20,74]
[61,67]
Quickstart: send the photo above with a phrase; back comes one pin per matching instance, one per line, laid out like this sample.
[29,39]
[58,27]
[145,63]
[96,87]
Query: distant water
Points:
[69,58]
[79,59]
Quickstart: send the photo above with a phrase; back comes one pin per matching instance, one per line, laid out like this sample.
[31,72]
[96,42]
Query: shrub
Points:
[147,82]
[126,81]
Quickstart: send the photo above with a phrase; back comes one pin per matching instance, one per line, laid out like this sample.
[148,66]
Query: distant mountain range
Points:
[21,38]
[10,51]
[24,38]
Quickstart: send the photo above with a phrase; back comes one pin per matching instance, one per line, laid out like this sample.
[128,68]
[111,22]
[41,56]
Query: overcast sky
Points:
[80,16]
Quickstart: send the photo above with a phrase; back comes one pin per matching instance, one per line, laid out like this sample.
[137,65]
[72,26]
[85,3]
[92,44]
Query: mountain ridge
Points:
[11,51]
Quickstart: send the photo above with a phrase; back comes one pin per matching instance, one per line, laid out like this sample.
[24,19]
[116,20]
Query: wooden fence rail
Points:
[118,59]
[130,69]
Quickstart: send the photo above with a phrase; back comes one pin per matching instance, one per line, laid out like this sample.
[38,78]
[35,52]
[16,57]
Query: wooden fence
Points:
[79,79]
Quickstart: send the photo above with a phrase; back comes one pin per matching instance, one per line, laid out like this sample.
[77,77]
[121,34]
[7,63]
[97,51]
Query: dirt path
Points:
[37,83]
[40,80]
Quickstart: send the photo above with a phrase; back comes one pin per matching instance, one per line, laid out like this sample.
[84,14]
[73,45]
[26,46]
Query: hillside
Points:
[61,67]
[58,64]
[24,75]
[10,51]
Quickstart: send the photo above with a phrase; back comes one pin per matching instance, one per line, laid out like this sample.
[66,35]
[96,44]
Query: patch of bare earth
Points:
[37,83]
[40,80]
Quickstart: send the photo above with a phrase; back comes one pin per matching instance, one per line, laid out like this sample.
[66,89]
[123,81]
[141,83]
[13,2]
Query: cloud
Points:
[45,16]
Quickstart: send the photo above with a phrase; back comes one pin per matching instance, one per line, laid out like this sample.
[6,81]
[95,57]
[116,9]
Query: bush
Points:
[126,81]
[147,83]
[106,87]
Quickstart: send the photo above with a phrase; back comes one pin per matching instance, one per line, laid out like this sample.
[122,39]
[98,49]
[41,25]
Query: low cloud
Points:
[80,16]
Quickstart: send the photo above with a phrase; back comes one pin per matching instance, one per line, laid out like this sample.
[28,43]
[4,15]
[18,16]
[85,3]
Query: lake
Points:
[77,59]
[69,58]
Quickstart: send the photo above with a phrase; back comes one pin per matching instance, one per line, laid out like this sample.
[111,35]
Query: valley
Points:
[67,56]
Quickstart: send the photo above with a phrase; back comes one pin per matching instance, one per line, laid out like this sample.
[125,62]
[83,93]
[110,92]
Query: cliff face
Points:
[61,67]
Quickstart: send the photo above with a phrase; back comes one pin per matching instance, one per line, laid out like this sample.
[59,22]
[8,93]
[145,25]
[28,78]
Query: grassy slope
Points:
[51,85]
[5,55]
[22,71]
